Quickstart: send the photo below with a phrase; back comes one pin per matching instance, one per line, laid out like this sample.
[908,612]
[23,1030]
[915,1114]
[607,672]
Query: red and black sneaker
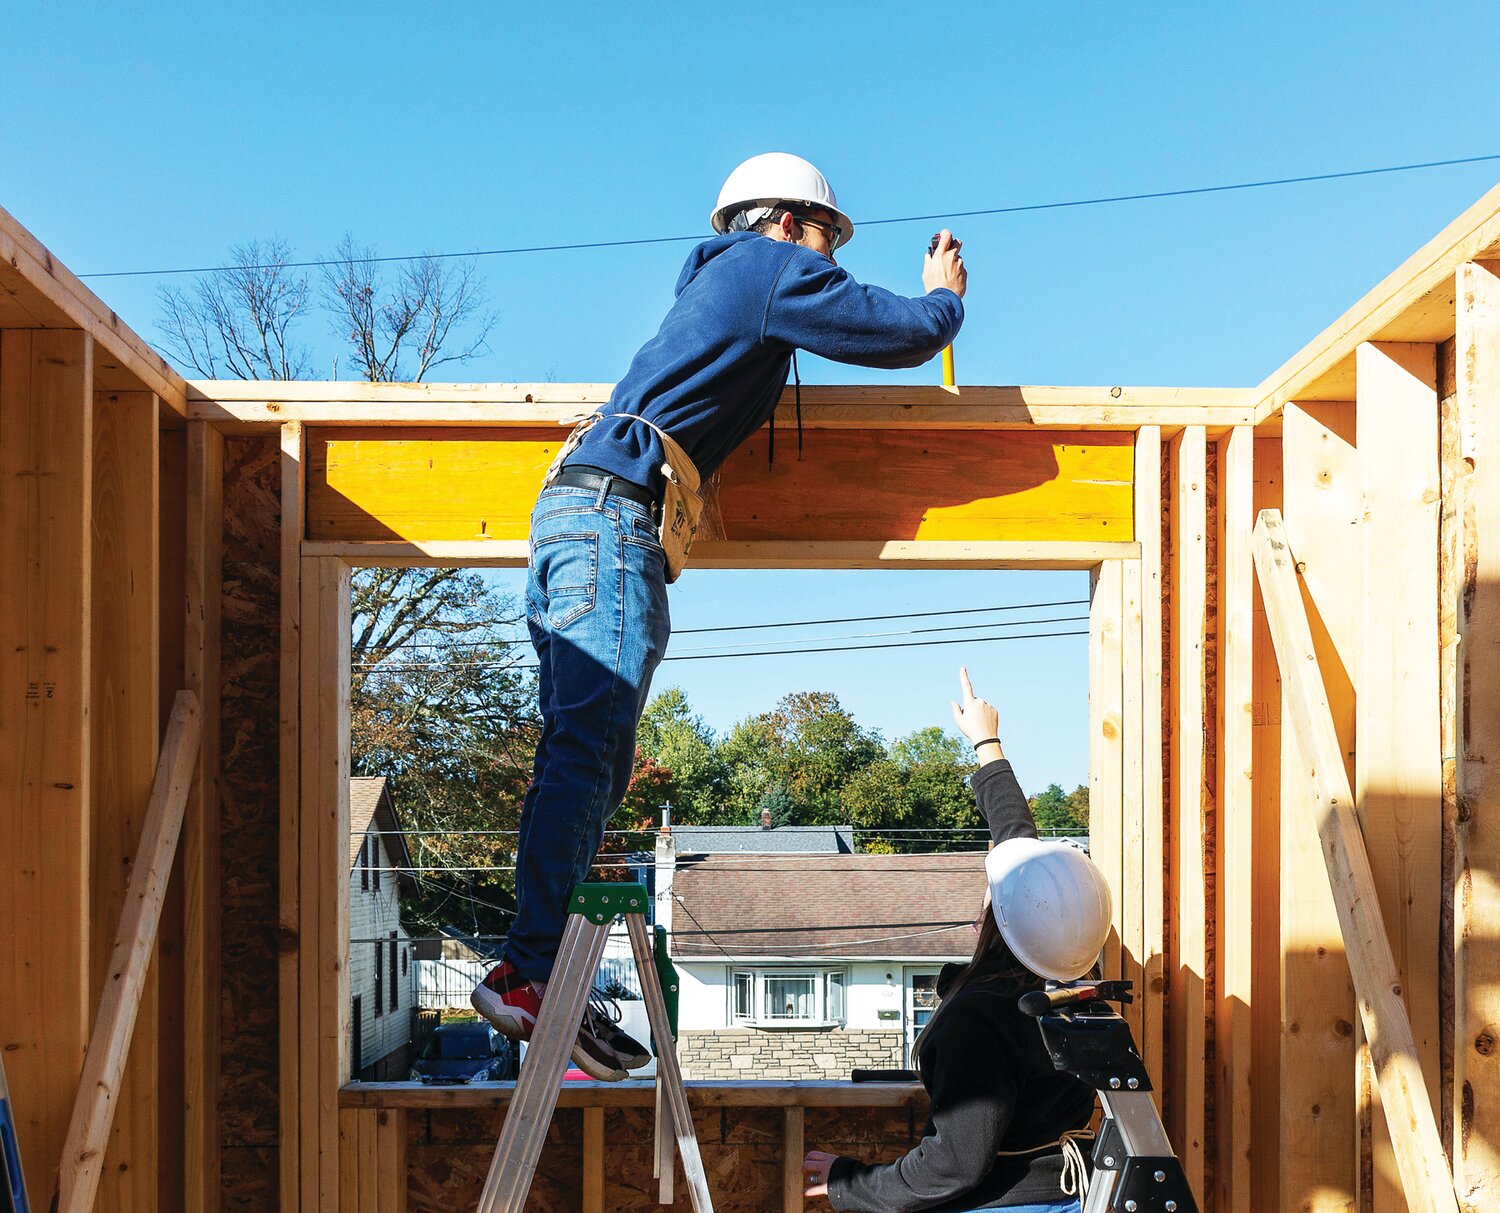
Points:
[509,1001]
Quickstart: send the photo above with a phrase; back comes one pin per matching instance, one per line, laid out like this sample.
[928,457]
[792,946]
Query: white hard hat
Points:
[1051,904]
[773,177]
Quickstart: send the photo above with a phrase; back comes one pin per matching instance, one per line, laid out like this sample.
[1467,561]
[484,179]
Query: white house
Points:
[811,965]
[382,968]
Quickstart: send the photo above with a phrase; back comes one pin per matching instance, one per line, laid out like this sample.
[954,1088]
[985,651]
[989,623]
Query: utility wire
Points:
[793,623]
[1104,200]
[734,650]
[849,648]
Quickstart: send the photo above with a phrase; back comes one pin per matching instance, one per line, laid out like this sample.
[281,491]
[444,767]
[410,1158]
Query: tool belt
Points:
[681,504]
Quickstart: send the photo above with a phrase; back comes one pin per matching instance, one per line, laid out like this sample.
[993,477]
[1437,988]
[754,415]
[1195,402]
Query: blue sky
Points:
[162,136]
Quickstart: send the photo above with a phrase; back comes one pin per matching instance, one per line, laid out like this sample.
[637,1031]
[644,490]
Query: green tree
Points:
[440,704]
[810,745]
[1056,810]
[681,742]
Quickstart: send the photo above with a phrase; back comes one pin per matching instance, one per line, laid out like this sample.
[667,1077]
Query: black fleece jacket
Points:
[991,1083]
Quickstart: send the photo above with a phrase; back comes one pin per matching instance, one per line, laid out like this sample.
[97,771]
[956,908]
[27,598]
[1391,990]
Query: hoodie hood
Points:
[707,251]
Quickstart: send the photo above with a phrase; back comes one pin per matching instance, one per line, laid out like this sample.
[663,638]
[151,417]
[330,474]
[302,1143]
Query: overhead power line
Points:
[847,648]
[790,623]
[1024,208]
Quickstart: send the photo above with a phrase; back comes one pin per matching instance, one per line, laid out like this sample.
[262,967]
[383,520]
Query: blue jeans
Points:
[1068,1205]
[596,607]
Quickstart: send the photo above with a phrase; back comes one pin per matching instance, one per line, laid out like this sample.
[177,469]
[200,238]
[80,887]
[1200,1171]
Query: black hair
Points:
[993,961]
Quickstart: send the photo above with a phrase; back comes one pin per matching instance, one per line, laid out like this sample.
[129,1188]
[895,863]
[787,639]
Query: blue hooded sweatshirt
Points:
[715,370]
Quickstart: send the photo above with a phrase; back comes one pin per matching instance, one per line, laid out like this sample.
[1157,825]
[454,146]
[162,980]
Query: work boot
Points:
[512,1004]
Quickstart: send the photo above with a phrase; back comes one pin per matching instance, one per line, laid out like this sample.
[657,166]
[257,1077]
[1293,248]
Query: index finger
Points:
[963,681]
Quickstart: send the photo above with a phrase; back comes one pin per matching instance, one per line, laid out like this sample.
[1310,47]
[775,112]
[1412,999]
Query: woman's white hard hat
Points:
[1051,903]
[776,177]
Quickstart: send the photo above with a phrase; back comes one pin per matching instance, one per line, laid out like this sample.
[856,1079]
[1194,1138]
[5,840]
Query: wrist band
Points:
[986,741]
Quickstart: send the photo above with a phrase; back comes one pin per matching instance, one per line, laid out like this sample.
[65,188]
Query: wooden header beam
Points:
[231,404]
[38,291]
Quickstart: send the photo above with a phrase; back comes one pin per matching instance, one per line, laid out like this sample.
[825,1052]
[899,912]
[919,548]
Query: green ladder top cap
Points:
[601,903]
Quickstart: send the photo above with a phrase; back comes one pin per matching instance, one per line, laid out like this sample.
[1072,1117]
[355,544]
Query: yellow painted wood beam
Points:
[851,487]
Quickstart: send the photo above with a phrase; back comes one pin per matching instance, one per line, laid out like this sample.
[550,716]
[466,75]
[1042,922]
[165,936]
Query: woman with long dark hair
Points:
[1004,1126]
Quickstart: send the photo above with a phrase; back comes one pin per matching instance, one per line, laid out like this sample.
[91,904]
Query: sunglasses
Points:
[832,230]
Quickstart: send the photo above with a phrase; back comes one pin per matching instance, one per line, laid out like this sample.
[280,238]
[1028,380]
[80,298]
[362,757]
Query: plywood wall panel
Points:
[248,1089]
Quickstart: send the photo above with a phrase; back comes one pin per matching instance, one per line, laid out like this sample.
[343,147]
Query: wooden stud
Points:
[1317,1124]
[203,526]
[1265,872]
[1236,842]
[171,547]
[123,718]
[1189,960]
[1133,808]
[1398,769]
[1476,1057]
[46,414]
[1106,749]
[390,1154]
[109,1045]
[324,881]
[593,1160]
[1148,522]
[294,960]
[367,1181]
[1417,1148]
[349,1161]
[793,1151]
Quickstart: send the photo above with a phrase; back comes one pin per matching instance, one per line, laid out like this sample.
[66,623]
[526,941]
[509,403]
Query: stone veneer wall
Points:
[787,1053]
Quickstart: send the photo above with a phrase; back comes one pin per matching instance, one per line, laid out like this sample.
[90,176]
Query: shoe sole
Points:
[514,1023]
[509,1021]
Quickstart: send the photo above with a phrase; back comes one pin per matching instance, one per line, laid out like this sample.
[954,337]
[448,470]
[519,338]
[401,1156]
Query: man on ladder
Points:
[620,505]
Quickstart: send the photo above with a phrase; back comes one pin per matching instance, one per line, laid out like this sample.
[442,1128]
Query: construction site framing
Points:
[160,535]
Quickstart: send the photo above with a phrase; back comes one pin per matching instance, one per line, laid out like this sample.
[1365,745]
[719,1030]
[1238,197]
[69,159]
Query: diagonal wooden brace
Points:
[109,1045]
[1403,1094]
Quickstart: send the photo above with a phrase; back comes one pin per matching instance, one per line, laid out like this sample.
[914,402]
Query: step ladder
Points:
[1135,1170]
[12,1182]
[591,910]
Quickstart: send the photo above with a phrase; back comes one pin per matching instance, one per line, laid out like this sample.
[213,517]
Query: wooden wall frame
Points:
[1125,757]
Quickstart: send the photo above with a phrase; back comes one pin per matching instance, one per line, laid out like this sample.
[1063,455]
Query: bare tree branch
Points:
[236,323]
[398,332]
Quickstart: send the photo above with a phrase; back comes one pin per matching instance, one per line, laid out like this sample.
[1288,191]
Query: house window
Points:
[364,865]
[403,962]
[379,976]
[779,997]
[395,989]
[375,860]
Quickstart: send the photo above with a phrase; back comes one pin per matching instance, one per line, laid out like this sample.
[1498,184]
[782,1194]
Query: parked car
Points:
[464,1052]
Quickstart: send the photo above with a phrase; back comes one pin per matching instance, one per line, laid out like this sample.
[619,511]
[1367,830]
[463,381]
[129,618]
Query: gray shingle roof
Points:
[818,906]
[829,840]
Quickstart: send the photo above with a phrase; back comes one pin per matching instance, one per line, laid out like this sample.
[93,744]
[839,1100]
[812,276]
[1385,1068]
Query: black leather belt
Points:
[594,479]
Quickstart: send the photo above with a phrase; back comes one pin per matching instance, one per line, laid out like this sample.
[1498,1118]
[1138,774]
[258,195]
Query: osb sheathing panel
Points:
[449,1154]
[248,1101]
